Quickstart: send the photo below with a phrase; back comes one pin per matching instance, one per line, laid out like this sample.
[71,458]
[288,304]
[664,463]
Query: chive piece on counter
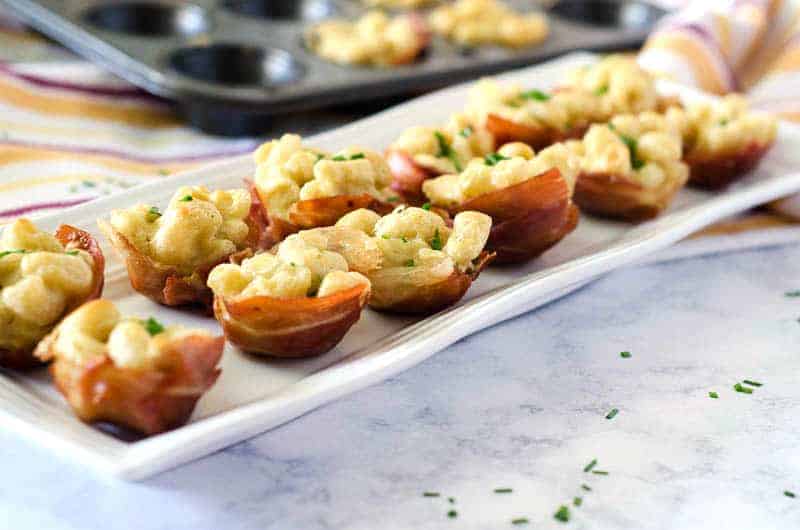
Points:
[153,326]
[789,494]
[426,206]
[752,383]
[713,395]
[562,514]
[430,494]
[503,490]
[584,487]
[577,501]
[452,514]
[519,521]
[792,294]
[590,465]
[625,354]
[451,500]
[612,413]
[742,389]
[598,472]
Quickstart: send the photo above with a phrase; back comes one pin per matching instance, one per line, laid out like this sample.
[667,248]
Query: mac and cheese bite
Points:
[42,278]
[423,152]
[168,254]
[527,195]
[375,39]
[301,298]
[425,264]
[127,371]
[487,22]
[724,140]
[302,188]
[632,167]
[513,113]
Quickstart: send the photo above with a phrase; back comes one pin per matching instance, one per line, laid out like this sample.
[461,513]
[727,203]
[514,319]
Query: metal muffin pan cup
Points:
[232,64]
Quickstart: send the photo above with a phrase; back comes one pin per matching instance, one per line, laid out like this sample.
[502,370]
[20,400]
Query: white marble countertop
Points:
[521,405]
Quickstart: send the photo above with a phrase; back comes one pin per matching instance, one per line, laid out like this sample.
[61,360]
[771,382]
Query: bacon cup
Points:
[169,254]
[724,140]
[300,299]
[42,278]
[528,197]
[301,188]
[630,168]
[132,373]
[421,153]
[425,265]
[376,39]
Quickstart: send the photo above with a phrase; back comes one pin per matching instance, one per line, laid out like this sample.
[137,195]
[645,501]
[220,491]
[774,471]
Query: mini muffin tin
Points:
[232,64]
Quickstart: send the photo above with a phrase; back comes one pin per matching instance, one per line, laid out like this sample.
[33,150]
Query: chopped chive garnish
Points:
[601,91]
[15,251]
[72,253]
[452,514]
[577,501]
[612,413]
[89,183]
[393,199]
[752,383]
[536,95]
[386,236]
[562,514]
[723,122]
[446,150]
[742,389]
[436,242]
[153,326]
[404,239]
[451,500]
[713,395]
[466,132]
[187,198]
[426,206]
[519,521]
[345,158]
[584,487]
[410,263]
[430,494]
[625,354]
[152,214]
[599,472]
[163,172]
[789,494]
[792,294]
[503,490]
[590,466]
[357,156]
[493,159]
[631,143]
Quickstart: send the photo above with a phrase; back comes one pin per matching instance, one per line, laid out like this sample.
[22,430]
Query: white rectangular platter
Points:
[255,394]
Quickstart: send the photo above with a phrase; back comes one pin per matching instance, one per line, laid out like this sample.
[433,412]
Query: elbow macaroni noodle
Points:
[39,281]
[197,228]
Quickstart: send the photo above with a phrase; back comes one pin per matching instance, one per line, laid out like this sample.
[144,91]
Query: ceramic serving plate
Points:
[255,394]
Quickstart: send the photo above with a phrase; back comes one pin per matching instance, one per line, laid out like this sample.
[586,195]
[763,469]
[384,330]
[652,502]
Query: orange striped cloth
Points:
[70,132]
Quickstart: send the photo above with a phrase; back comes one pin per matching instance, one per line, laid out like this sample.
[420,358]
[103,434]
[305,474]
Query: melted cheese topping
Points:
[445,149]
[726,127]
[562,110]
[479,22]
[515,164]
[304,264]
[39,281]
[287,172]
[198,227]
[375,39]
[620,85]
[417,239]
[645,148]
[97,329]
